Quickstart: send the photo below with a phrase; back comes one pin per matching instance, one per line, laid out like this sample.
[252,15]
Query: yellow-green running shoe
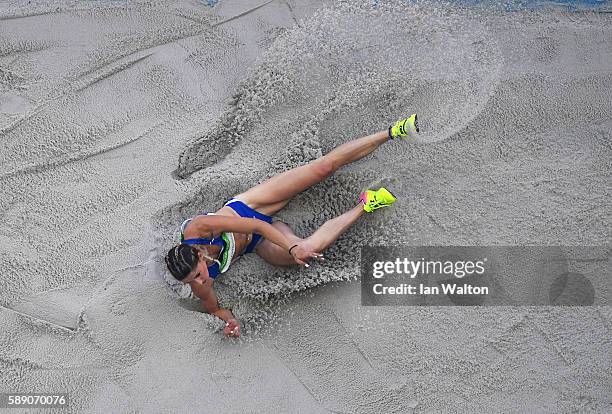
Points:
[405,128]
[373,200]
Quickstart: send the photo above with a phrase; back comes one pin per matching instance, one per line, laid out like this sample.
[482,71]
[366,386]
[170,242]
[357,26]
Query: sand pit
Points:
[118,120]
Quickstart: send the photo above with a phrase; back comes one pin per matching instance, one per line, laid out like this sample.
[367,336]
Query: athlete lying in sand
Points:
[209,242]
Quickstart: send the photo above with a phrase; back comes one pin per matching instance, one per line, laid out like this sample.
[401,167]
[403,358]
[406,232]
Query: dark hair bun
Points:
[181,260]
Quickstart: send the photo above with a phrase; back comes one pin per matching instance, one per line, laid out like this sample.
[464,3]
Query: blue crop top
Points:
[226,240]
[227,243]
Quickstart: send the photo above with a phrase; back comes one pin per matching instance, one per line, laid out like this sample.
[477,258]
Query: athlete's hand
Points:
[301,255]
[232,328]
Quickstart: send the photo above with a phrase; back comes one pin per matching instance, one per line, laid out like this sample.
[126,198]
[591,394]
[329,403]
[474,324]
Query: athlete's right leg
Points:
[273,194]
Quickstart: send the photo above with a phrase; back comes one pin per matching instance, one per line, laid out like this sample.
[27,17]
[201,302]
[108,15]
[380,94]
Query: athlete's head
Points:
[181,260]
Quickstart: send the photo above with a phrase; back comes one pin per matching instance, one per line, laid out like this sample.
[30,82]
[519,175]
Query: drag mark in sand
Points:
[242,14]
[65,328]
[350,338]
[297,23]
[77,156]
[168,40]
[26,16]
[22,47]
[112,71]
[192,19]
[548,342]
[56,10]
[103,75]
[525,322]
[308,390]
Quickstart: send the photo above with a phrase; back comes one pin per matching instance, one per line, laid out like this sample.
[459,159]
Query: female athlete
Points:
[211,241]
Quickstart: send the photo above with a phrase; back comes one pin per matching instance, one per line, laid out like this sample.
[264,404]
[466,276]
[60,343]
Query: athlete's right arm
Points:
[213,226]
[209,301]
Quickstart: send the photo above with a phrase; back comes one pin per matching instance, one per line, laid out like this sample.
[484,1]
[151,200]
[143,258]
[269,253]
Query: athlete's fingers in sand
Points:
[301,262]
[317,256]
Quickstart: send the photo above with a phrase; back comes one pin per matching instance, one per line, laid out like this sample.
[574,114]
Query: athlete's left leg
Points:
[320,240]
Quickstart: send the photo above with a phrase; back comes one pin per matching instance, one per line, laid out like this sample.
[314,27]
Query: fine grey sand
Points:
[118,120]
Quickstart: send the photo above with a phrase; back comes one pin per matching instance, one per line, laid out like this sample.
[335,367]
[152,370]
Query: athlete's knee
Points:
[324,167]
[312,245]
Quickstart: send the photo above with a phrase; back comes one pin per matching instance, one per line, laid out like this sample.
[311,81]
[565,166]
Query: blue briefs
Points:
[245,211]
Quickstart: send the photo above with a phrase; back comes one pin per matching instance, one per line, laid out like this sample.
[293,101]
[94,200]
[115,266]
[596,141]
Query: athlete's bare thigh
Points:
[274,254]
[274,193]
